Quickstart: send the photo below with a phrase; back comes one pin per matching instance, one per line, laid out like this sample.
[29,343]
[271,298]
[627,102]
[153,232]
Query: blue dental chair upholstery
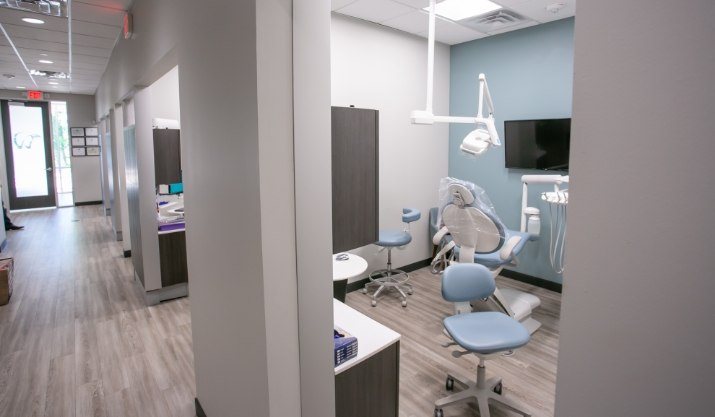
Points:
[469,231]
[389,278]
[484,334]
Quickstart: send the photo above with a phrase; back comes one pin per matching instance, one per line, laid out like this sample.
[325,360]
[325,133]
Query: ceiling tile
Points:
[95,29]
[452,33]
[97,14]
[376,10]
[414,22]
[536,9]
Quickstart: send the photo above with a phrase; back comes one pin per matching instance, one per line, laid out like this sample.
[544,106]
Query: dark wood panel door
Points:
[355,157]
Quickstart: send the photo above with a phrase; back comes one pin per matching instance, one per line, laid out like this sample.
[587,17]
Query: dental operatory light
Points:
[462,9]
[484,135]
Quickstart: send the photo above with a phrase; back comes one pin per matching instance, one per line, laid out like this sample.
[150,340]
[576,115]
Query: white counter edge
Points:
[372,336]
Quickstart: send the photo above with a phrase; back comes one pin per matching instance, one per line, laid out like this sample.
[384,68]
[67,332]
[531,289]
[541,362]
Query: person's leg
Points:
[9,225]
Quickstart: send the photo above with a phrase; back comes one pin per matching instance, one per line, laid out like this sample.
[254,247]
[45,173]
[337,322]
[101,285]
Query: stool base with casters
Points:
[389,279]
[483,390]
[485,334]
[393,279]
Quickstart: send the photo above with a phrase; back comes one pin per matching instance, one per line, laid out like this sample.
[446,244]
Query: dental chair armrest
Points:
[507,251]
[437,238]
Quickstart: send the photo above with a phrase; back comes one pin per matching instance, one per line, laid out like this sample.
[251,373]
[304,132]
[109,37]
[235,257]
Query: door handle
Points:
[49,169]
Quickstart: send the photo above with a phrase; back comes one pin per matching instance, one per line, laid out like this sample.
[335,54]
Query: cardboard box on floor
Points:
[7,274]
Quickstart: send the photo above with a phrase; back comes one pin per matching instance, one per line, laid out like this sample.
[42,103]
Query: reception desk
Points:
[367,385]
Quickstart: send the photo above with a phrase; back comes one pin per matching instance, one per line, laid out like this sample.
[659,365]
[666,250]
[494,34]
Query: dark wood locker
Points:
[355,157]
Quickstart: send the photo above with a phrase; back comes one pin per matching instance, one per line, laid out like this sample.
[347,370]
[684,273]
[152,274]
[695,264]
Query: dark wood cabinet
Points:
[167,156]
[172,259]
[355,158]
[370,388]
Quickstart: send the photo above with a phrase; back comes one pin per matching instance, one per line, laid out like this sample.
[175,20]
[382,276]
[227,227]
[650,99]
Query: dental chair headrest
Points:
[461,195]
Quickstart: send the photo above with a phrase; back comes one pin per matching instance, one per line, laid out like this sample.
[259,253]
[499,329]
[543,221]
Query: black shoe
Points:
[15,227]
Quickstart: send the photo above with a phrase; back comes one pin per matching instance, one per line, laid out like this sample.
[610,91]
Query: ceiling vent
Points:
[49,74]
[498,20]
[47,7]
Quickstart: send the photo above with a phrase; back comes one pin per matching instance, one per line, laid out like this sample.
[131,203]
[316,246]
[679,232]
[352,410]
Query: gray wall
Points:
[530,75]
[240,292]
[313,194]
[637,330]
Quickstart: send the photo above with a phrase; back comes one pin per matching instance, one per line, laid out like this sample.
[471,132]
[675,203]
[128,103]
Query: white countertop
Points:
[350,268]
[372,336]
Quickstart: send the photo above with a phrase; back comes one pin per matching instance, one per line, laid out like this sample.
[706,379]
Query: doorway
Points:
[28,154]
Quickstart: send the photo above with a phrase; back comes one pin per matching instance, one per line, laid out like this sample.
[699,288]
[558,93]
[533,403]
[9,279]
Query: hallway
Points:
[76,338]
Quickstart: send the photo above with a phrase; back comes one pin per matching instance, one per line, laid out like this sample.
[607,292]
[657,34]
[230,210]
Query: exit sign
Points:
[34,95]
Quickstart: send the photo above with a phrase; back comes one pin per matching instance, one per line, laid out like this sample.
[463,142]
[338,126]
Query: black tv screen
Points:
[537,144]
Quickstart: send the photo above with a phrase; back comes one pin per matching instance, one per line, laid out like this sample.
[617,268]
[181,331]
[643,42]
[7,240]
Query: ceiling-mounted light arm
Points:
[485,134]
[430,57]
[484,94]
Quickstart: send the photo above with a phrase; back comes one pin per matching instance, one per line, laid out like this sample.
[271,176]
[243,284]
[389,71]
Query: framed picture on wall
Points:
[91,131]
[92,141]
[78,152]
[92,150]
[78,141]
[77,131]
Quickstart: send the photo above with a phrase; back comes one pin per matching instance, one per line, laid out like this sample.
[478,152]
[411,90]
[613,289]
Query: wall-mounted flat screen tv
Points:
[537,144]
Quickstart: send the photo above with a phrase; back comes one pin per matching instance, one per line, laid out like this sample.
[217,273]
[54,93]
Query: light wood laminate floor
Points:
[529,376]
[77,338]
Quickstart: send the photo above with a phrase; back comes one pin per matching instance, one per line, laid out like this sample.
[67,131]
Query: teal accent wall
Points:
[530,76]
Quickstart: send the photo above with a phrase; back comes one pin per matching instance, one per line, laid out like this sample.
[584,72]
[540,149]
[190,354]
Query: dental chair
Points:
[485,334]
[472,233]
[388,278]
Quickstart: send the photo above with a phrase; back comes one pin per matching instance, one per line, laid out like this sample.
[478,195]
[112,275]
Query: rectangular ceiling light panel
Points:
[457,10]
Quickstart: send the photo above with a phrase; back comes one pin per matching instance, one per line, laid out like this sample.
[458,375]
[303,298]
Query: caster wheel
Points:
[497,388]
[373,303]
[364,290]
[449,384]
[438,412]
[404,304]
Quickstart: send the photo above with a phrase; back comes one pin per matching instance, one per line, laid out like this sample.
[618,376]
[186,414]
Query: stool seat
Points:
[486,332]
[393,238]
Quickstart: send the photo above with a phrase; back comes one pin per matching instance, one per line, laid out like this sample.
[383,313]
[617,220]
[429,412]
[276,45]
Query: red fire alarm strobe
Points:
[128,26]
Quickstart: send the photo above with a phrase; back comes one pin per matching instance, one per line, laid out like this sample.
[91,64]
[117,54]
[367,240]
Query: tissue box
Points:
[7,274]
[345,346]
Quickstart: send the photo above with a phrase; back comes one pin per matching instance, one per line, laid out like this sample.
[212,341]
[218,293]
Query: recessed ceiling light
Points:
[52,83]
[461,9]
[20,87]
[33,21]
[43,54]
[45,61]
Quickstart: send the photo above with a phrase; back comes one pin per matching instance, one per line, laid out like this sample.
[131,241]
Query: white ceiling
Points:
[408,16]
[96,25]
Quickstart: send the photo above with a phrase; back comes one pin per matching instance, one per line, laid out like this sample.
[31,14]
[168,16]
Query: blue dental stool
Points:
[484,334]
[393,278]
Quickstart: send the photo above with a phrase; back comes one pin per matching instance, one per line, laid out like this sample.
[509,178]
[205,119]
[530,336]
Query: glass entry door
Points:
[28,153]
